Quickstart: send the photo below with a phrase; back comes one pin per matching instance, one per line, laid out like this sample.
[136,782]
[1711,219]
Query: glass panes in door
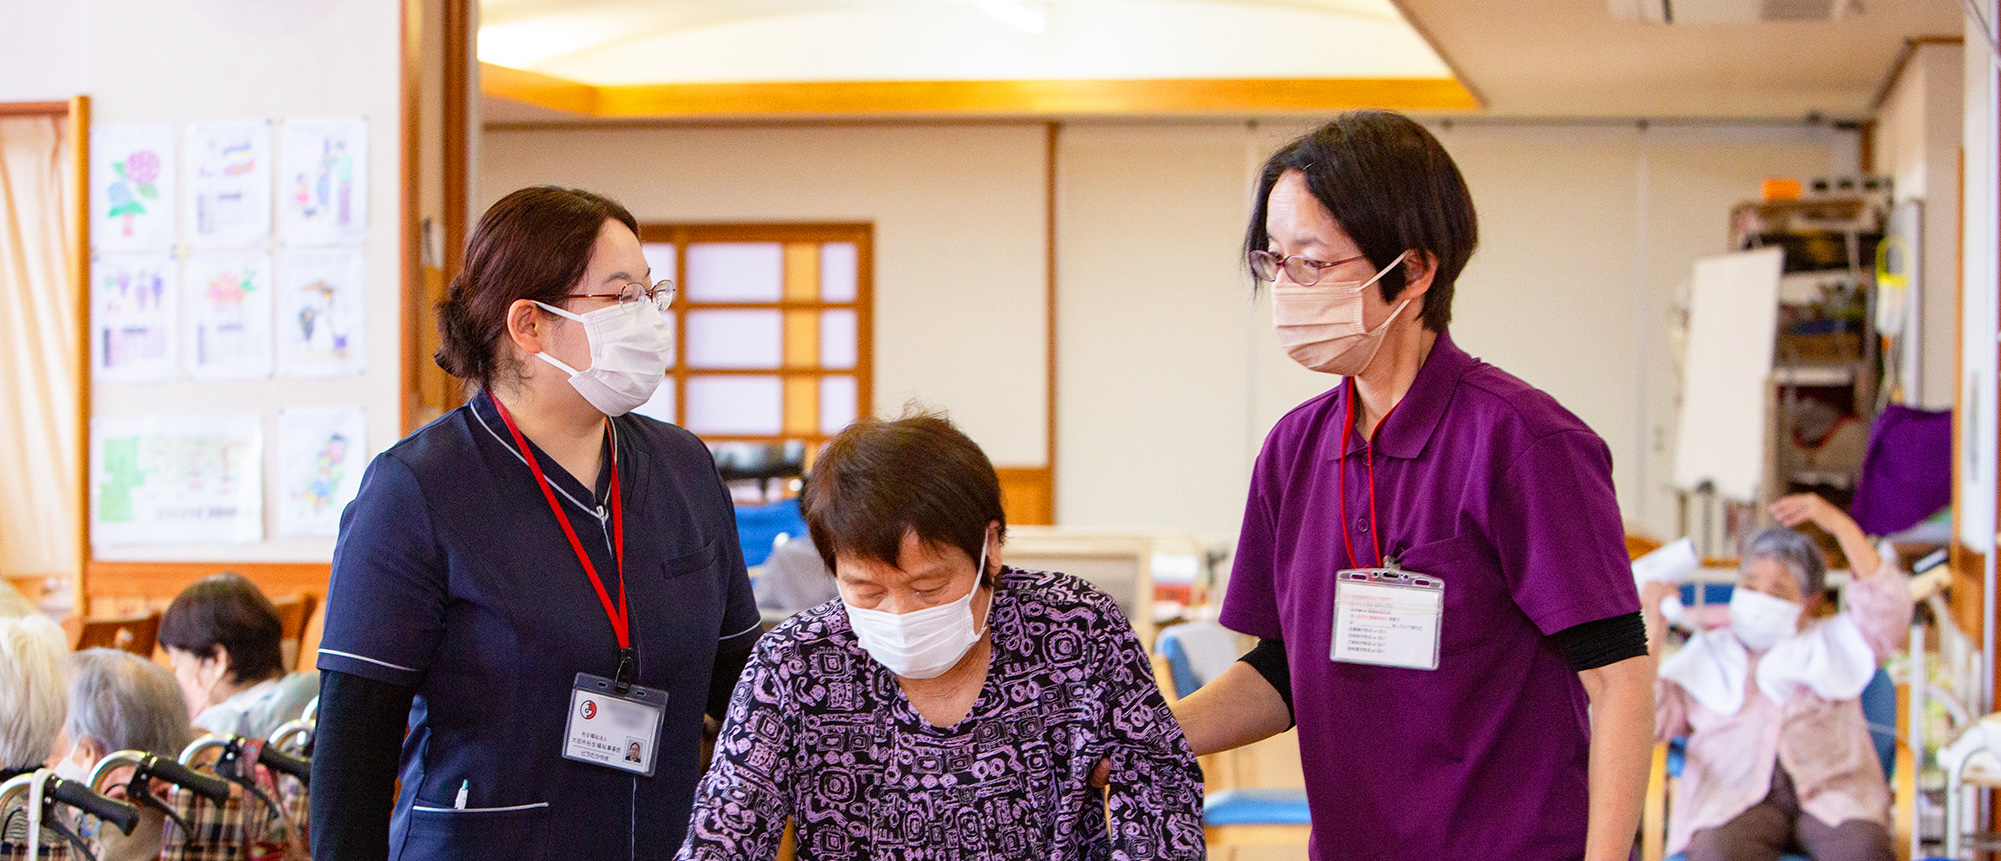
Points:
[773,325]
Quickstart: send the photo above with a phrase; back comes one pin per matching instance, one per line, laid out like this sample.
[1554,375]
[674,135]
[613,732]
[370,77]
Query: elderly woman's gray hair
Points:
[1794,550]
[31,690]
[122,701]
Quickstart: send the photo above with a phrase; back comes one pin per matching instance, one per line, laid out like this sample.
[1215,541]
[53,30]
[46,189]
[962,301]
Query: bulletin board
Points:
[244,304]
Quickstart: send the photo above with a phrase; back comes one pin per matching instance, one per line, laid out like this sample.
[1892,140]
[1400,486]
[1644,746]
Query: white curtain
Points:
[40,442]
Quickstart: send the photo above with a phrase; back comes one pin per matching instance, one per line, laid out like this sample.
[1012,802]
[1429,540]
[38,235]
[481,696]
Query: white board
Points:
[1732,324]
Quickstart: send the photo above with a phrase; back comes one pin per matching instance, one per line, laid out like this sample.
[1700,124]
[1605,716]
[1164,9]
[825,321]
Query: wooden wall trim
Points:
[1051,132]
[974,98]
[156,580]
[408,213]
[78,109]
[36,109]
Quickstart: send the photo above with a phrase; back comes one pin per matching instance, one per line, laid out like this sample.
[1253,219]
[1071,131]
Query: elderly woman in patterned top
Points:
[946,706]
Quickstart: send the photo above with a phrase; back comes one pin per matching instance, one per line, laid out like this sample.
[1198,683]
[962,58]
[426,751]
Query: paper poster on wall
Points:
[227,184]
[228,316]
[133,327]
[323,181]
[176,479]
[320,312]
[132,187]
[322,452]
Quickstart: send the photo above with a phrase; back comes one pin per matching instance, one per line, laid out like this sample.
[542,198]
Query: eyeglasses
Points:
[1304,271]
[660,294]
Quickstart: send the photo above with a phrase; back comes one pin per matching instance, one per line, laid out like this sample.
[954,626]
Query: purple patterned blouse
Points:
[820,733]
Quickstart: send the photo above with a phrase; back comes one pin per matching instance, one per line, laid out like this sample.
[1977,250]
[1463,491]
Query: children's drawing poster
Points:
[227,184]
[322,452]
[320,312]
[176,479]
[133,322]
[323,181]
[132,187]
[227,310]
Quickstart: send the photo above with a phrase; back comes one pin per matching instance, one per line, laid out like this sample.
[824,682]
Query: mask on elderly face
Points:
[76,764]
[921,644]
[1759,620]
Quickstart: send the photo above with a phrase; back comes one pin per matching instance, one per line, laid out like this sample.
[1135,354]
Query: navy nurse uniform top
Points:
[452,577]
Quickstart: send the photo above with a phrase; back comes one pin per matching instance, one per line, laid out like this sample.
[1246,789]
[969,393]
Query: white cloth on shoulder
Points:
[1831,658]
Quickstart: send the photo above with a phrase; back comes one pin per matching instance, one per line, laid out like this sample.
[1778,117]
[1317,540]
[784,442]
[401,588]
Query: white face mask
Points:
[921,644]
[631,345]
[1759,620]
[69,768]
[1321,325]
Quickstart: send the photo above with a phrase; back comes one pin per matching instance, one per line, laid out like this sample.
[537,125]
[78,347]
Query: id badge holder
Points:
[1388,617]
[612,729]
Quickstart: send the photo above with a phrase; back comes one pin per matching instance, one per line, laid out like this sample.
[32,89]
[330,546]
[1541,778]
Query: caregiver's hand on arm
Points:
[1236,709]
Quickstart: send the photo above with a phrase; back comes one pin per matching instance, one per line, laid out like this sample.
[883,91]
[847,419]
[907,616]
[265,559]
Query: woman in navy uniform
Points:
[525,562]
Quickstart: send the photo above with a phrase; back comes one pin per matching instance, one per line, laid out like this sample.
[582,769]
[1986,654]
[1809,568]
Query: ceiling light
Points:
[1026,14]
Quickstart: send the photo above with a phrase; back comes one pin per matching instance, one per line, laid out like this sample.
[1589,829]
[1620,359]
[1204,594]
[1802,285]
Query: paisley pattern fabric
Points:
[820,734]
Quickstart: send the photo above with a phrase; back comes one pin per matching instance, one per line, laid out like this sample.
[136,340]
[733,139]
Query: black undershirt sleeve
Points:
[355,751]
[722,679]
[1604,642]
[1268,658]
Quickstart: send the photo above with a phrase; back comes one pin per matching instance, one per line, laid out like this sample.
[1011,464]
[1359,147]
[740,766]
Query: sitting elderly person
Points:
[120,701]
[31,704]
[222,637]
[1779,756]
[945,705]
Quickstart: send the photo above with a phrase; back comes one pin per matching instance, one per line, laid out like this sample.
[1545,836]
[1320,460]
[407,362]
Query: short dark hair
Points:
[877,481]
[227,610]
[1393,188]
[532,244]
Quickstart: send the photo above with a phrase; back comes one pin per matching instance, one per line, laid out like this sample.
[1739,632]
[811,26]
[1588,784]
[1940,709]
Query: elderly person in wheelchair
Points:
[1779,757]
[31,705]
[119,701]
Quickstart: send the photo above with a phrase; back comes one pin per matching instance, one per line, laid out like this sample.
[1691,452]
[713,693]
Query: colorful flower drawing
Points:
[132,184]
[230,288]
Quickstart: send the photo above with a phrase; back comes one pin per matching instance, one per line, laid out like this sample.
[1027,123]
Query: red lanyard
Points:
[617,615]
[1341,479]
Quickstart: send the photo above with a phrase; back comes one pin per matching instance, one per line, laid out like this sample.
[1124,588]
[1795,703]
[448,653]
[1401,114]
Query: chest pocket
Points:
[1474,588]
[694,563]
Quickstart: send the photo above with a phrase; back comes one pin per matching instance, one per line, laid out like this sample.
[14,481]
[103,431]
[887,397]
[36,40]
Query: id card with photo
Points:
[611,729]
[1388,617]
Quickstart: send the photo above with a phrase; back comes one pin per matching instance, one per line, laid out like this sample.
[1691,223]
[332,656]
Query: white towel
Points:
[1830,658]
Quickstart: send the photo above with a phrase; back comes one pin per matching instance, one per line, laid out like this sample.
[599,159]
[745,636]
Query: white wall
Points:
[959,245]
[1980,318]
[1168,374]
[1918,135]
[1169,377]
[194,60]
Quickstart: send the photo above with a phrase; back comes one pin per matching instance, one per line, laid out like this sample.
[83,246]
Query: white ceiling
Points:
[609,42]
[1572,58]
[1521,57]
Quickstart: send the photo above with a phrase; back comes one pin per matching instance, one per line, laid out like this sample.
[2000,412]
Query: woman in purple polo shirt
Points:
[1431,555]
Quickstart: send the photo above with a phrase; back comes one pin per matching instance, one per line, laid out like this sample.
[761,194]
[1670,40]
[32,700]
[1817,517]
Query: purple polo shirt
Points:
[1490,485]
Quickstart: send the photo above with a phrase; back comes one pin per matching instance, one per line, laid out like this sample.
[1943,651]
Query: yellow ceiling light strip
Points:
[974,98]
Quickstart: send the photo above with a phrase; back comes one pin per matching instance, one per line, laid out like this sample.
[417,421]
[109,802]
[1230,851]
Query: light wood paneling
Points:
[1028,495]
[974,98]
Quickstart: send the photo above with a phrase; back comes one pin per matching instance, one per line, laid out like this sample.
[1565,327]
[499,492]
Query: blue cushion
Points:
[758,525]
[1256,807]
[1179,667]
